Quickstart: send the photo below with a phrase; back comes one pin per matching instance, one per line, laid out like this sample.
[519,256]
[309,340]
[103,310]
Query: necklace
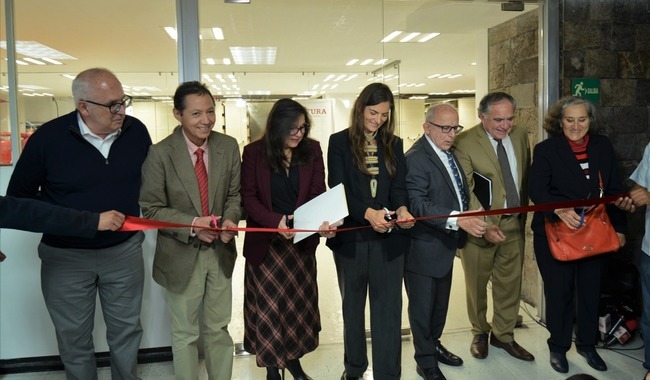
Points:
[372,161]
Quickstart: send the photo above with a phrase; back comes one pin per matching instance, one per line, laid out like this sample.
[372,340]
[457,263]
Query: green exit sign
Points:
[586,88]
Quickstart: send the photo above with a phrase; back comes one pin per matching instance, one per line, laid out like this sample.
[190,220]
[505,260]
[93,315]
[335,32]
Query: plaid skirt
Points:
[281,315]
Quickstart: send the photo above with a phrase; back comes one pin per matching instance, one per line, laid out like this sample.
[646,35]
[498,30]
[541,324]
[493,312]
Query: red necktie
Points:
[202,177]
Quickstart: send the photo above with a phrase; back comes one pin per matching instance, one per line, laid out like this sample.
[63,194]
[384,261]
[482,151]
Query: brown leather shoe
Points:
[479,347]
[514,349]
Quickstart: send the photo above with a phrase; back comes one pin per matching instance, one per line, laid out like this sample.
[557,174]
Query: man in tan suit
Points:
[500,151]
[195,264]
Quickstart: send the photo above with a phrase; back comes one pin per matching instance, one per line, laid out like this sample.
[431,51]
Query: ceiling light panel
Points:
[37,50]
[253,55]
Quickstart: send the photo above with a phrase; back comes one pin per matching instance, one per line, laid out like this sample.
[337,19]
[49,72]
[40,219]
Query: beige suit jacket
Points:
[476,153]
[170,192]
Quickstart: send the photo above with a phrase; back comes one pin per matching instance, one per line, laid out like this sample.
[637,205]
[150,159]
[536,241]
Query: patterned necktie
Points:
[454,169]
[202,178]
[512,197]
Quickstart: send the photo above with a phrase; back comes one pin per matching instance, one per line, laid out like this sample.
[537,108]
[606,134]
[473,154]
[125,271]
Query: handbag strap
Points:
[600,183]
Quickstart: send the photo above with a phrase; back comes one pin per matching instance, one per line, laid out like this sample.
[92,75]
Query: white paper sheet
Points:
[331,206]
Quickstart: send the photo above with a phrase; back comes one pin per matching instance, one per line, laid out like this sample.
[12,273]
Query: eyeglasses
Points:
[448,128]
[302,129]
[114,107]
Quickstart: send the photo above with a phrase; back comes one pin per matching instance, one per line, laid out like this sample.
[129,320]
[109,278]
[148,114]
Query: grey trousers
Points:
[369,274]
[70,280]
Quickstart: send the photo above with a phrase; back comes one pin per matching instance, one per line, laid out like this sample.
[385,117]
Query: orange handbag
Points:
[595,236]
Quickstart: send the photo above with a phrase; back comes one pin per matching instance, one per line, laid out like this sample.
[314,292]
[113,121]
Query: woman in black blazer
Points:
[569,166]
[369,160]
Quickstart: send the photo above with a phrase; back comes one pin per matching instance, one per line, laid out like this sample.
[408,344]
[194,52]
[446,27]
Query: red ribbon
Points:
[133,223]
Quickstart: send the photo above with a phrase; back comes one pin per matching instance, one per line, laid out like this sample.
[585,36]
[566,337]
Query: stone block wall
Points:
[610,40]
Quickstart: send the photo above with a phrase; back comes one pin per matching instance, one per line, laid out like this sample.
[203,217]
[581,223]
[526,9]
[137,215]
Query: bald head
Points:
[439,117]
[89,83]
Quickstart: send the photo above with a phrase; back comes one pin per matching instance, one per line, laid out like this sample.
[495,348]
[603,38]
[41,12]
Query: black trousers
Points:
[368,273]
[428,305]
[572,290]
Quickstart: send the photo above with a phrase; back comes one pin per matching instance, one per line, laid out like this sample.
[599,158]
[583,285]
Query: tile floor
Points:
[326,363]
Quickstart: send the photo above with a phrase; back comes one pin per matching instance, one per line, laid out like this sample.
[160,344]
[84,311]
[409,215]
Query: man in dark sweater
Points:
[90,160]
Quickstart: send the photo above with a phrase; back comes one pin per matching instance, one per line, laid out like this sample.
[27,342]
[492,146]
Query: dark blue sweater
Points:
[71,172]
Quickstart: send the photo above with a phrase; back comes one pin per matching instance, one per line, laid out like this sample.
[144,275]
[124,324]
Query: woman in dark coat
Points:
[573,164]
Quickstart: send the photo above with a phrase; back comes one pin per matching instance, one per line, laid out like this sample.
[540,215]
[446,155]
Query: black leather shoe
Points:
[594,360]
[445,357]
[430,373]
[479,347]
[346,377]
[559,362]
[296,370]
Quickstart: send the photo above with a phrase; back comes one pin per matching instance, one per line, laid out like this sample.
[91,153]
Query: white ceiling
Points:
[314,38]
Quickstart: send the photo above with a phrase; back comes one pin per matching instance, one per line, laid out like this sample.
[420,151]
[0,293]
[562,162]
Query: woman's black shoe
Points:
[273,373]
[296,370]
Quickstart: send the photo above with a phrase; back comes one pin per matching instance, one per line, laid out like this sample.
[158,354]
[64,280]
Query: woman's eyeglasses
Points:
[302,129]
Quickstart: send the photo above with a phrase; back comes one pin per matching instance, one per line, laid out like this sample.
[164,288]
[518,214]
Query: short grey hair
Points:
[82,83]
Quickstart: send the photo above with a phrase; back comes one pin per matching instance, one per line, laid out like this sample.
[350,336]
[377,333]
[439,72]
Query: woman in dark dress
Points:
[280,172]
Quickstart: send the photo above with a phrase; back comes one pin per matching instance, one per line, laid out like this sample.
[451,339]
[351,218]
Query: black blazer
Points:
[391,193]
[38,216]
[431,192]
[556,176]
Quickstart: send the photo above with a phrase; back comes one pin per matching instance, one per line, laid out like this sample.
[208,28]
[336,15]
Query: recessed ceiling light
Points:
[210,61]
[52,61]
[352,62]
[409,37]
[391,35]
[367,61]
[34,61]
[171,31]
[429,36]
[381,61]
[253,55]
[36,50]
[218,33]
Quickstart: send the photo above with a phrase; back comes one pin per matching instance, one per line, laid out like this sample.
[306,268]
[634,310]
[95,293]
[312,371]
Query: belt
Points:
[506,216]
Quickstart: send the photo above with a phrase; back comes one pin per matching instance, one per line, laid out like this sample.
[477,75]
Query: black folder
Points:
[483,190]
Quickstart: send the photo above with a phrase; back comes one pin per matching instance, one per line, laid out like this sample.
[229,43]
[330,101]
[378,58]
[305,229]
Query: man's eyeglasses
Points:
[114,107]
[448,128]
[302,129]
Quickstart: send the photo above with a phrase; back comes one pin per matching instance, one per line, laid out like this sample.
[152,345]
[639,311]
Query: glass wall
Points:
[322,52]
